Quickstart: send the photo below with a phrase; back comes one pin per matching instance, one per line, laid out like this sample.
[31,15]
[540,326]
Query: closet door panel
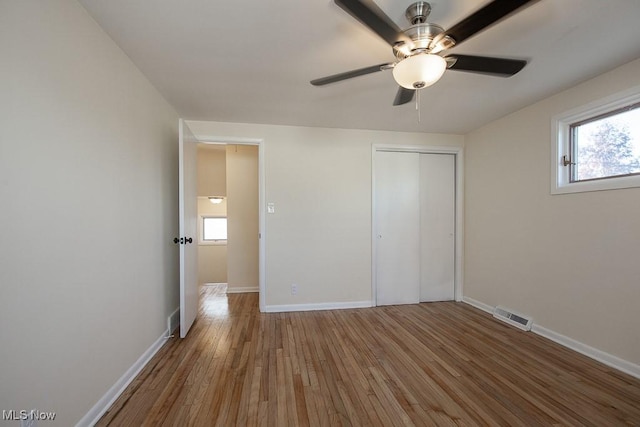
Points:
[397,202]
[437,227]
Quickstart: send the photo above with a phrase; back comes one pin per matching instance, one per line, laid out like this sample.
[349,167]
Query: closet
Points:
[414,227]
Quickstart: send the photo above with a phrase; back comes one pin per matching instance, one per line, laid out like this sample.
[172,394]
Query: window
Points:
[214,229]
[597,147]
[606,146]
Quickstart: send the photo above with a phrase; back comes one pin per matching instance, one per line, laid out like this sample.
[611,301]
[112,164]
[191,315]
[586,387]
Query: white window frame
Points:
[560,145]
[201,240]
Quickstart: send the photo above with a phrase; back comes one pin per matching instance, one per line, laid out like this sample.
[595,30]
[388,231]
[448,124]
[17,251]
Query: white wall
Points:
[570,261]
[242,218]
[88,274]
[320,182]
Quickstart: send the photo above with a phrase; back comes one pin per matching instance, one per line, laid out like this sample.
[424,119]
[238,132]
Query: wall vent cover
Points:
[512,318]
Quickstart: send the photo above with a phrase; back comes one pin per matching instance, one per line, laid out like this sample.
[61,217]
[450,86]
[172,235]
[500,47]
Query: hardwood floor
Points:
[427,364]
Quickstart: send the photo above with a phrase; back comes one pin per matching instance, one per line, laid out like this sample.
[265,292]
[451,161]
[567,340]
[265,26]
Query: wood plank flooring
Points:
[427,364]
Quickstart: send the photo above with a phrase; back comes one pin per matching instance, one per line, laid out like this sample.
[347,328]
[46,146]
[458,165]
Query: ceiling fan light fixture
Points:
[419,71]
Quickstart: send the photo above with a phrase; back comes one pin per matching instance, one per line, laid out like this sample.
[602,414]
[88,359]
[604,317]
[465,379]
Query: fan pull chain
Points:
[418,103]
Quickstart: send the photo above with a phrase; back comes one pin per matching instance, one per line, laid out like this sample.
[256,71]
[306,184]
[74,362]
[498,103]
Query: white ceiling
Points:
[251,61]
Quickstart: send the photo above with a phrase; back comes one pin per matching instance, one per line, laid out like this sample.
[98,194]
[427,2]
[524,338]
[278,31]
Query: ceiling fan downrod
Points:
[418,12]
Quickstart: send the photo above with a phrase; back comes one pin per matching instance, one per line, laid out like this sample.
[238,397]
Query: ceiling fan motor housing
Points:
[422,37]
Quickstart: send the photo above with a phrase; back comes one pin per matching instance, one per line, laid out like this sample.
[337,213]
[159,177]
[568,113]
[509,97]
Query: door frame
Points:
[458,152]
[259,142]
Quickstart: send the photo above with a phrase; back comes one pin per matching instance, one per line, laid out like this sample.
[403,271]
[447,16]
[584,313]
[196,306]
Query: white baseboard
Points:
[242,289]
[320,306]
[98,410]
[599,355]
[477,304]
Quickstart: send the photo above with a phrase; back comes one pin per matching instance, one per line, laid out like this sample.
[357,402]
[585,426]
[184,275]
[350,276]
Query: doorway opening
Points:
[229,216]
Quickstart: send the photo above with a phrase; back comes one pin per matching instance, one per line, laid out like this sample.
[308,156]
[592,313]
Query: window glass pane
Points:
[607,146]
[214,228]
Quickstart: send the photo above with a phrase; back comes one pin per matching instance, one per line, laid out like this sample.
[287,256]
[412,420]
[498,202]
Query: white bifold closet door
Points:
[415,227]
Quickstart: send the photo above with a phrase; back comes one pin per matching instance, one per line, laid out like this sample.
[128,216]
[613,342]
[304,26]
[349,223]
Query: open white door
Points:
[188,239]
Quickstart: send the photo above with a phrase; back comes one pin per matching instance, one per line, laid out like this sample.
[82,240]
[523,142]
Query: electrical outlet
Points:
[294,289]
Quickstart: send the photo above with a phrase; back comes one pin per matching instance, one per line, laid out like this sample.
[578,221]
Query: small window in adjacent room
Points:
[597,147]
[214,229]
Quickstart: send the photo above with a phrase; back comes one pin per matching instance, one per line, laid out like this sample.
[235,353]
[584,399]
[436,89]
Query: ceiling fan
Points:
[419,48]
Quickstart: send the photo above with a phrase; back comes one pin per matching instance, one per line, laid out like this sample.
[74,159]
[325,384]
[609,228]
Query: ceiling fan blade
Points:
[373,17]
[483,18]
[485,65]
[350,74]
[404,96]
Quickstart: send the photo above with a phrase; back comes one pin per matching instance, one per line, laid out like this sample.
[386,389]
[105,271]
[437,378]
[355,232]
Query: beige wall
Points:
[242,217]
[212,170]
[570,261]
[320,182]
[88,273]
[212,258]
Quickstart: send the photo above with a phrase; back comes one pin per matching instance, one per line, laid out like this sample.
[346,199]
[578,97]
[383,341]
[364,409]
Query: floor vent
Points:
[517,320]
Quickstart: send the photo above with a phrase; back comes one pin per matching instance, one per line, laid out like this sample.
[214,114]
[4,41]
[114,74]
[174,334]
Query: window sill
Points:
[212,243]
[598,185]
